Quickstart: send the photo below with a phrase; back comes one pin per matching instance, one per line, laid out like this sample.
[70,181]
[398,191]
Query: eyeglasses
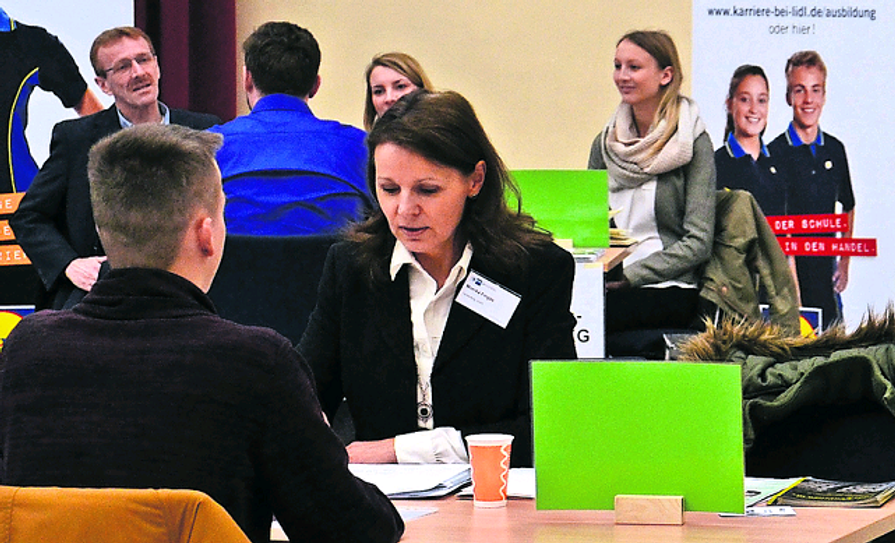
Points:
[124,66]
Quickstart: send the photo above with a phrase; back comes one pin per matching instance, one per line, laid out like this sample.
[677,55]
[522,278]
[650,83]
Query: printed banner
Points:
[9,202]
[809,224]
[6,233]
[851,37]
[10,315]
[828,246]
[76,24]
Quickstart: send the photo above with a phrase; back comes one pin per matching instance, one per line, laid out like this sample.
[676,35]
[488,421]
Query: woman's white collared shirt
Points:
[429,310]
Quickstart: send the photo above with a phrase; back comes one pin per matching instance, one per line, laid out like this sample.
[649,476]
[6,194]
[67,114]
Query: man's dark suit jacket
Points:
[359,343]
[54,223]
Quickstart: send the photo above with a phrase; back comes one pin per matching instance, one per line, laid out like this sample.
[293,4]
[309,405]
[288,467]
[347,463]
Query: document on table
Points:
[403,481]
[761,488]
[521,484]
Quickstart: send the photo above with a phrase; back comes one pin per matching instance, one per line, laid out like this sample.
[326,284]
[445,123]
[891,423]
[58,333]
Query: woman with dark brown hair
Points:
[428,316]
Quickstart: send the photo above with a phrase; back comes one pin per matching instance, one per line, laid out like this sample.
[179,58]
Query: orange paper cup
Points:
[489,456]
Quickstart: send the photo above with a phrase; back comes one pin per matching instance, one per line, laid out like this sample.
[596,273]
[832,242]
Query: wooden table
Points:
[457,521]
[613,256]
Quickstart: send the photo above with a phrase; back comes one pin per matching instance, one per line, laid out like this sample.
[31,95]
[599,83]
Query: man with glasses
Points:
[54,222]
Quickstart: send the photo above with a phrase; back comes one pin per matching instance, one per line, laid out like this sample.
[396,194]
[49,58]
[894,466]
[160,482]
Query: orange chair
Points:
[111,515]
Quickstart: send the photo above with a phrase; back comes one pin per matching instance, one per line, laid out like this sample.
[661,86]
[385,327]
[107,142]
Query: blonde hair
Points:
[402,63]
[661,47]
[146,182]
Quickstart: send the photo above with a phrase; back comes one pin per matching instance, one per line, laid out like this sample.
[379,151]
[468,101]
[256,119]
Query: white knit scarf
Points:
[627,155]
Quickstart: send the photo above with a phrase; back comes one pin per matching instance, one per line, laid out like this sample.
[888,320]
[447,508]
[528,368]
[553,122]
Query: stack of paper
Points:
[403,481]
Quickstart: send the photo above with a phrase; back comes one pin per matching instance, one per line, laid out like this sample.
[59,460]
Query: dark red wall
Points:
[196,45]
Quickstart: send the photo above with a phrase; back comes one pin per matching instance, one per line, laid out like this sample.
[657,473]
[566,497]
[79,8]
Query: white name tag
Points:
[487,298]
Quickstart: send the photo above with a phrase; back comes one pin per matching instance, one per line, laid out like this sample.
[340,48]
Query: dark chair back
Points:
[271,280]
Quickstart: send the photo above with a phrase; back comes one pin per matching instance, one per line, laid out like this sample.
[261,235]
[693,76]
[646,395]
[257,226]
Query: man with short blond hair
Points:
[54,223]
[142,385]
[816,169]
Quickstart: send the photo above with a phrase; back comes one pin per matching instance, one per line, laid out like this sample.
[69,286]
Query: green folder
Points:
[646,428]
[573,204]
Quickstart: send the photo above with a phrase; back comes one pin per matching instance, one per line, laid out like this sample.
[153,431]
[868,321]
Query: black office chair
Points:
[270,280]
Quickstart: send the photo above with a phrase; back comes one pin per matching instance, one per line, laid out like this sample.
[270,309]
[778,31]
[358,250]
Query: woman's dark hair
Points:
[442,127]
[739,75]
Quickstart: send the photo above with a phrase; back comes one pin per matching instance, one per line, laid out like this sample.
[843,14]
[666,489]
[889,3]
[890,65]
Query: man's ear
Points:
[204,229]
[103,85]
[315,87]
[247,82]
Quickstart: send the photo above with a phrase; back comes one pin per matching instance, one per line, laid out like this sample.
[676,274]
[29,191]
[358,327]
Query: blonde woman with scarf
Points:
[661,183]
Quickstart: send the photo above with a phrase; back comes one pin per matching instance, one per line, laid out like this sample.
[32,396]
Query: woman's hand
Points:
[373,452]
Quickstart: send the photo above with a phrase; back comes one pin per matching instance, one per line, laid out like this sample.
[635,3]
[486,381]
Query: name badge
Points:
[491,300]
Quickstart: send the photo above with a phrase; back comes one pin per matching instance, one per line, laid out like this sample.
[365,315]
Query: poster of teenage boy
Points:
[841,173]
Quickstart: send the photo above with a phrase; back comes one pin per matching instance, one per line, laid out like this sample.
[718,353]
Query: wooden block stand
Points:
[630,509]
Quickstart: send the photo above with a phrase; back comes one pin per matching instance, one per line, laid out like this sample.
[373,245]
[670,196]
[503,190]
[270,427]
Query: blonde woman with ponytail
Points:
[661,183]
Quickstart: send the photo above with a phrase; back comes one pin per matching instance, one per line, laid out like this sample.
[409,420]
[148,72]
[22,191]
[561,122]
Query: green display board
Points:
[573,204]
[646,428]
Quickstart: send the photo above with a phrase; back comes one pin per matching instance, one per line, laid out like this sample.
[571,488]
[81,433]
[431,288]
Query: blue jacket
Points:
[286,172]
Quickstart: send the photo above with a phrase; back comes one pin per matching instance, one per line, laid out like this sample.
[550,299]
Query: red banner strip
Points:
[809,224]
[828,246]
